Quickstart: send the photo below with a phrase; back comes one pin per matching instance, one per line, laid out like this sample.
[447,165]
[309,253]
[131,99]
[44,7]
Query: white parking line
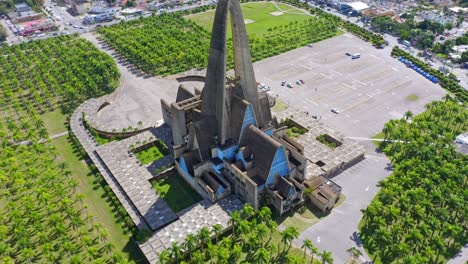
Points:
[324,75]
[347,85]
[308,99]
[395,69]
[336,72]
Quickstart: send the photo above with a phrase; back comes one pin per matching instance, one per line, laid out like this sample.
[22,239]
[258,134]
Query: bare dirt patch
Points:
[248,21]
[277,13]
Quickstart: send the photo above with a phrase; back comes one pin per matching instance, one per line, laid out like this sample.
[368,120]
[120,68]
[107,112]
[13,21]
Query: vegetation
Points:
[153,153]
[253,239]
[326,139]
[419,215]
[422,33]
[105,211]
[375,39]
[61,71]
[295,132]
[159,44]
[177,193]
[306,215]
[279,105]
[3,33]
[412,97]
[45,216]
[444,81]
[260,14]
[446,47]
[42,217]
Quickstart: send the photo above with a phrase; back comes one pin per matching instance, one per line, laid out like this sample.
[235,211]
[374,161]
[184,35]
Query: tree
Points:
[3,33]
[306,244]
[326,257]
[354,252]
[288,235]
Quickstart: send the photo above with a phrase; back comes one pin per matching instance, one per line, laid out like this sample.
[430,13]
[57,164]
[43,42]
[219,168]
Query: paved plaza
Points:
[367,92]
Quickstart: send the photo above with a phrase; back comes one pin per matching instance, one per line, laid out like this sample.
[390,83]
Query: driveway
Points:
[339,231]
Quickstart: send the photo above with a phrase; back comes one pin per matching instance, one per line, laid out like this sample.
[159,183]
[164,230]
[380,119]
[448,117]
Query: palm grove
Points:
[419,215]
[42,217]
[168,43]
[253,238]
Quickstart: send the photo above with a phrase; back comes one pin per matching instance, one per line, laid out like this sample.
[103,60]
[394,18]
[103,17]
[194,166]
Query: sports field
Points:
[258,17]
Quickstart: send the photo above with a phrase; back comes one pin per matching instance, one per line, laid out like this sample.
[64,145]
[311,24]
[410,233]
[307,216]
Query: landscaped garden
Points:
[177,193]
[419,215]
[328,141]
[159,44]
[152,152]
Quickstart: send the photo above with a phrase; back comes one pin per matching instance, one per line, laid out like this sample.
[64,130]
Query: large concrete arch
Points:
[215,101]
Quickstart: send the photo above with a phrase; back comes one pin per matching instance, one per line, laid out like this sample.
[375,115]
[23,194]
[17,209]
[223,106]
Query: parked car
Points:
[309,45]
[290,85]
[298,82]
[283,83]
[302,81]
[334,110]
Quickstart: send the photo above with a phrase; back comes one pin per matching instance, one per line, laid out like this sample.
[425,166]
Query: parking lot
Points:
[367,92]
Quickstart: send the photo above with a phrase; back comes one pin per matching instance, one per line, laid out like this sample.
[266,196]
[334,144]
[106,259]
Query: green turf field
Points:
[177,193]
[260,14]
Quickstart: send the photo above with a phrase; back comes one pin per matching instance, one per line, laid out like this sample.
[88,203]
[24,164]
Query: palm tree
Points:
[288,235]
[355,252]
[326,257]
[306,244]
[204,236]
[262,256]
[218,230]
[176,252]
[164,257]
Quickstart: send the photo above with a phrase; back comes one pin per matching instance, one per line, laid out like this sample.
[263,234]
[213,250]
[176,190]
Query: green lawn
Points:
[55,122]
[279,105]
[305,216]
[176,192]
[150,154]
[95,200]
[260,14]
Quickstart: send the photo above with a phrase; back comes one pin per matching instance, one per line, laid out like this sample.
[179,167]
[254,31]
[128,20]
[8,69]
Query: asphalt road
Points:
[339,231]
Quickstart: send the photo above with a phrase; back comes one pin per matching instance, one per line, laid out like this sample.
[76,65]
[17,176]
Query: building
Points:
[438,17]
[353,8]
[225,138]
[23,14]
[324,193]
[80,6]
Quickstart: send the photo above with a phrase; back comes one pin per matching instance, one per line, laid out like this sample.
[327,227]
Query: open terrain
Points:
[259,17]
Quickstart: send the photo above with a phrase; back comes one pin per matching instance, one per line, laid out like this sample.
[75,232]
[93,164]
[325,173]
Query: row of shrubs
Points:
[444,81]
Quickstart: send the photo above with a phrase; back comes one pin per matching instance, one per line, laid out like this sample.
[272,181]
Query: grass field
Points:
[306,216]
[260,14]
[54,122]
[97,206]
[176,192]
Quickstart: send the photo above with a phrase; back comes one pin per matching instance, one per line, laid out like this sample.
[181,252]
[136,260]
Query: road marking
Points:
[318,239]
[336,72]
[360,82]
[372,55]
[305,67]
[326,76]
[367,189]
[308,99]
[349,86]
[395,69]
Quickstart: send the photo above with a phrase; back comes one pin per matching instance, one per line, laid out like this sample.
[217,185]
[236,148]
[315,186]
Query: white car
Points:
[334,110]
[290,85]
